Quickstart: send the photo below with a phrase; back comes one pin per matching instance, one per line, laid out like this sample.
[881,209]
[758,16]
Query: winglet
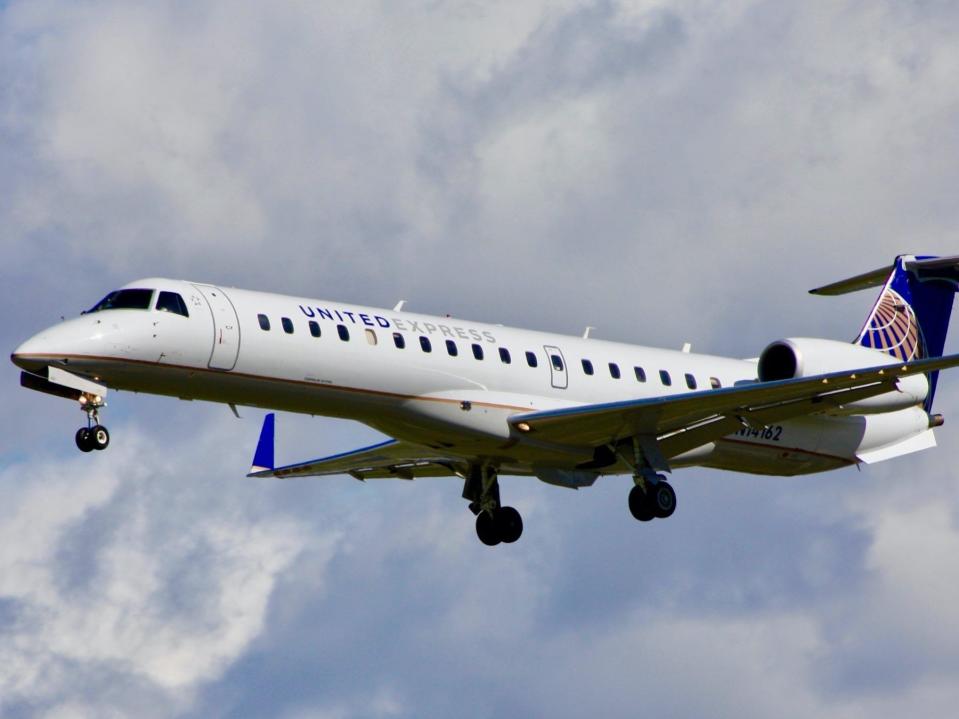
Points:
[263,457]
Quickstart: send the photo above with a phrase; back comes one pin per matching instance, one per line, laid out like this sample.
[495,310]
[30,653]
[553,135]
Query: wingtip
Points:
[263,460]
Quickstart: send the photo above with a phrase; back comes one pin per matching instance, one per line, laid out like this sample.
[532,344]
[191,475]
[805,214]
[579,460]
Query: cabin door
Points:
[557,367]
[226,328]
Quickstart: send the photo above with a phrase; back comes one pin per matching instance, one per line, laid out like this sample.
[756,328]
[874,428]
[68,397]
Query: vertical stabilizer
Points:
[911,316]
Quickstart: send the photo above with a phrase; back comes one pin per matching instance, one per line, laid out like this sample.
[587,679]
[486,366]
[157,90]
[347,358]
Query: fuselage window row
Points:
[170,304]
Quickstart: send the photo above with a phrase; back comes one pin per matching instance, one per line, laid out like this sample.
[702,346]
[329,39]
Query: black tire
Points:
[486,529]
[663,499]
[99,437]
[83,440]
[509,524]
[639,505]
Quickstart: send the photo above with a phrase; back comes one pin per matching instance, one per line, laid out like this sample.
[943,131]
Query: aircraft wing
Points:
[682,421]
[392,459]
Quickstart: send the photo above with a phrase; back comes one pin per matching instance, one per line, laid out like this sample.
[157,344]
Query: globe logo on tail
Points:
[893,328]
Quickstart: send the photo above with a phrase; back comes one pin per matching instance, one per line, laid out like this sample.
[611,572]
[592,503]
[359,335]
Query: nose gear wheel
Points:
[94,435]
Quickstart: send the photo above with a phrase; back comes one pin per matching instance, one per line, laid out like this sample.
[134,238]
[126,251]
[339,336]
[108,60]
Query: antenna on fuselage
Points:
[399,306]
[586,333]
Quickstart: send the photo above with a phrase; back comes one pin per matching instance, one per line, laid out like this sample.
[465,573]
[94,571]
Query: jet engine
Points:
[806,357]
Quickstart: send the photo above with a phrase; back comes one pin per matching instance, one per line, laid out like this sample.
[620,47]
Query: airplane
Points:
[473,400]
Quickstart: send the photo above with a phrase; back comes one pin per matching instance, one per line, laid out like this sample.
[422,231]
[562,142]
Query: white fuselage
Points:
[355,368]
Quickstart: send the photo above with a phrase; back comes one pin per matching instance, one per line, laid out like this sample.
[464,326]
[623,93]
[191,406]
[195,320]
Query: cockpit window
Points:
[172,302]
[124,300]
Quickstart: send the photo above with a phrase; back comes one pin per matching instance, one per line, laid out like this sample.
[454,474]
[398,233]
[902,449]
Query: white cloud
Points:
[123,565]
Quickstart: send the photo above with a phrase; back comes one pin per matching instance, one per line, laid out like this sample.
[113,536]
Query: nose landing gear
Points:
[94,435]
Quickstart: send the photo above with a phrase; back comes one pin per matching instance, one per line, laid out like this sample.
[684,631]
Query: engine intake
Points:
[779,361]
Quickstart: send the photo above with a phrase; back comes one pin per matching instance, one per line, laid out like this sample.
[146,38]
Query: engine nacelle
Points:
[806,357]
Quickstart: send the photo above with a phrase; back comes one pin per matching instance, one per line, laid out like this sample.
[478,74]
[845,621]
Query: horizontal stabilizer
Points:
[933,268]
[854,284]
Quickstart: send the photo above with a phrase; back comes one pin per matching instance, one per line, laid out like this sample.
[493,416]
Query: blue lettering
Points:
[339,315]
[350,315]
[325,314]
[366,320]
[381,321]
[304,311]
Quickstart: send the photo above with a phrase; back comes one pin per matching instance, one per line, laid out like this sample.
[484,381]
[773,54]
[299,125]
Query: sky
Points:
[666,171]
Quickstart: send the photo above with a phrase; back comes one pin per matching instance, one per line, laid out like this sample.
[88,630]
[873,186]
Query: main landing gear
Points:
[494,522]
[94,435]
[652,498]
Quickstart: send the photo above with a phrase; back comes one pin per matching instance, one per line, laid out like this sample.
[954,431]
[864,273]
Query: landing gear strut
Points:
[652,497]
[94,435]
[494,522]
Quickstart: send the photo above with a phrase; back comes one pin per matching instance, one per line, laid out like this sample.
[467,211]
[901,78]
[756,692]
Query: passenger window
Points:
[531,359]
[640,374]
[264,322]
[344,332]
[478,352]
[690,381]
[504,355]
[587,367]
[614,370]
[371,337]
[451,349]
[665,378]
[287,325]
[425,344]
[715,383]
[557,362]
[314,328]
[172,302]
[399,340]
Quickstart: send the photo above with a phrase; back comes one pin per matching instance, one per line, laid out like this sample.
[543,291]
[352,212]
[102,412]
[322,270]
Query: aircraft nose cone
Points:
[29,355]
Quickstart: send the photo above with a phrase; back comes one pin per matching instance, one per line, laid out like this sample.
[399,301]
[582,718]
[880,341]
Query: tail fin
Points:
[911,316]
